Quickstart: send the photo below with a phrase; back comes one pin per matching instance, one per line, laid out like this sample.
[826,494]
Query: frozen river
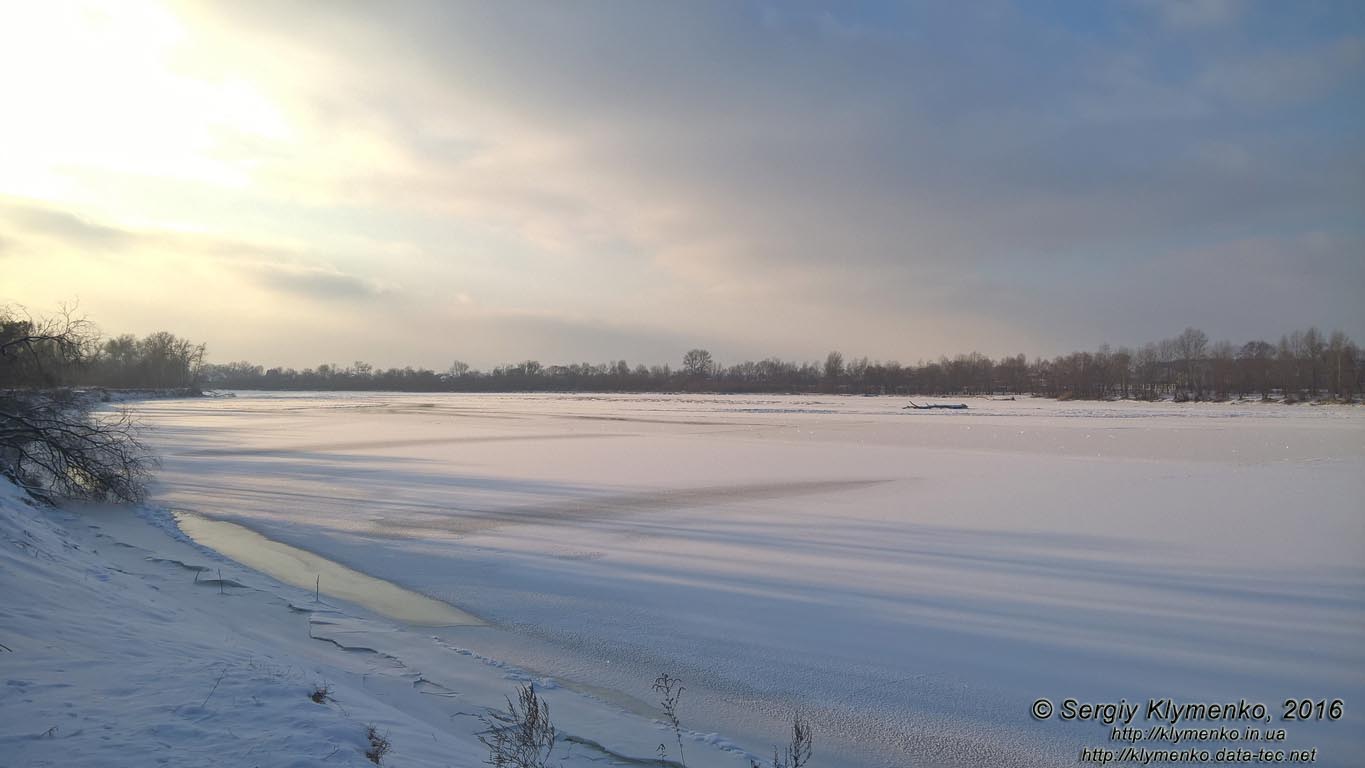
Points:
[910,581]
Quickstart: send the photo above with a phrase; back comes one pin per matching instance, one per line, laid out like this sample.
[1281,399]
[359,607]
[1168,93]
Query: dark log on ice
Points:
[931,406]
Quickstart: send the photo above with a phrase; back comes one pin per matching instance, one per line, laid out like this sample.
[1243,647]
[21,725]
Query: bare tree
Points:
[1341,358]
[1189,346]
[834,366]
[50,441]
[1223,367]
[1256,367]
[41,352]
[52,445]
[170,361]
[697,363]
[1314,347]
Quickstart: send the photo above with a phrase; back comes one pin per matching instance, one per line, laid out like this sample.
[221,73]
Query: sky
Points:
[411,183]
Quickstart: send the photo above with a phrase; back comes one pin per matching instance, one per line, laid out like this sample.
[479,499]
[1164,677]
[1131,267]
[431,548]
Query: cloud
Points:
[1280,78]
[314,282]
[1198,14]
[62,226]
[798,148]
[36,229]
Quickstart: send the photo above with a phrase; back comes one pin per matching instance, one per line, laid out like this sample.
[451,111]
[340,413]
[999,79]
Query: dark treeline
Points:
[64,350]
[1302,365]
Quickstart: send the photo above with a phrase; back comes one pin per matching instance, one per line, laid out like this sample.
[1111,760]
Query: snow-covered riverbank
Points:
[121,644]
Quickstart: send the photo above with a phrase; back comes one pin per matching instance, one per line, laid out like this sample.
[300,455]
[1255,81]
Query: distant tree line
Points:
[1303,365]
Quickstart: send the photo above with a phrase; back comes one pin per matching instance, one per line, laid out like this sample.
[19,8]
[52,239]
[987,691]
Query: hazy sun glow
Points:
[108,89]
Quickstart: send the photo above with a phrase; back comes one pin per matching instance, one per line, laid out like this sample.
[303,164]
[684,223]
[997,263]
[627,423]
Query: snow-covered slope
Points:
[115,655]
[120,646]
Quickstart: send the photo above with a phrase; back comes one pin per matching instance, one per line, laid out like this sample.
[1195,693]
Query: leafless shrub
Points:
[379,745]
[670,690]
[798,750]
[322,693]
[521,736]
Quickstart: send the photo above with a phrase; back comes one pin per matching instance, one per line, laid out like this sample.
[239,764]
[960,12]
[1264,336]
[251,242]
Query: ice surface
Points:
[301,568]
[911,581]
